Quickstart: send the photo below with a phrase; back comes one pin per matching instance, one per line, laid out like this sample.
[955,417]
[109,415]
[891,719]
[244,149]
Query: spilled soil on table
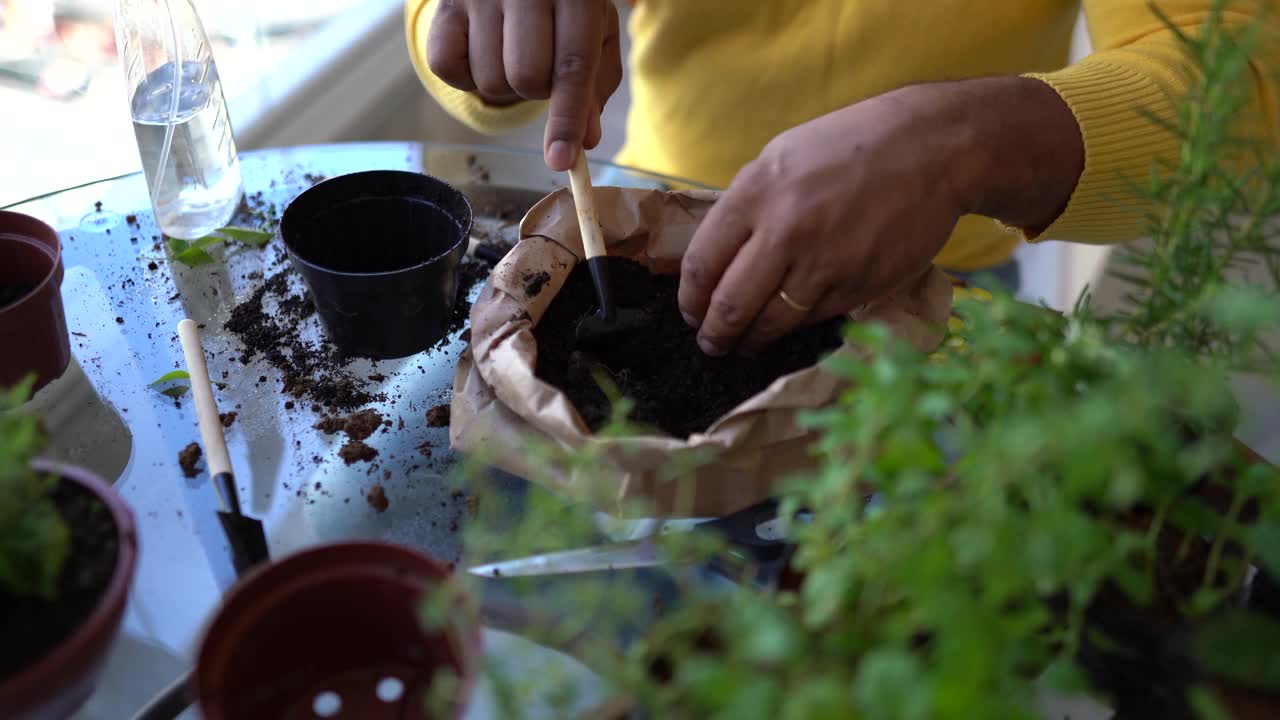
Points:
[312,370]
[358,426]
[189,460]
[267,324]
[672,383]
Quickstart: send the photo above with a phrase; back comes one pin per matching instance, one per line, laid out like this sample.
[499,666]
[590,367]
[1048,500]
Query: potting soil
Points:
[188,459]
[358,426]
[10,294]
[32,626]
[438,416]
[312,370]
[660,368]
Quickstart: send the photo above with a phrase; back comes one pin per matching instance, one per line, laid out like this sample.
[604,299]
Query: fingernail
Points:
[690,320]
[560,155]
[710,346]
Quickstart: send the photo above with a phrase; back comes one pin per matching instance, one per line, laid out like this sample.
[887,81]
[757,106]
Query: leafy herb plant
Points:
[34,540]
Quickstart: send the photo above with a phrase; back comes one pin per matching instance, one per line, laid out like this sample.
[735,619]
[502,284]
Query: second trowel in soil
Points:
[609,321]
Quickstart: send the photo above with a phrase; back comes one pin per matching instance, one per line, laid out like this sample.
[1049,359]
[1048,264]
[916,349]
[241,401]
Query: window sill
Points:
[330,86]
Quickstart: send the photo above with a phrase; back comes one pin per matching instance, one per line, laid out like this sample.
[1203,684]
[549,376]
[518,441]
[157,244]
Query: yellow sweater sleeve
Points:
[1138,63]
[465,107]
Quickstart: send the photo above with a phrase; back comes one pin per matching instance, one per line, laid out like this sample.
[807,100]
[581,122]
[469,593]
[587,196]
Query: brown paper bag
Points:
[498,401]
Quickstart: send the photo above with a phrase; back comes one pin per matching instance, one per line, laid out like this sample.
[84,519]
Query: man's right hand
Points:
[511,50]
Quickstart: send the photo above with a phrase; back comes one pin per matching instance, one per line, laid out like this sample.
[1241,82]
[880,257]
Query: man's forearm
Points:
[1018,153]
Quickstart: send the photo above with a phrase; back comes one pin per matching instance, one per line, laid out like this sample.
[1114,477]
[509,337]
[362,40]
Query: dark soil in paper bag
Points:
[672,383]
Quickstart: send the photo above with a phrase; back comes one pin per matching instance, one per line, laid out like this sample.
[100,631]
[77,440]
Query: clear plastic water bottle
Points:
[179,116]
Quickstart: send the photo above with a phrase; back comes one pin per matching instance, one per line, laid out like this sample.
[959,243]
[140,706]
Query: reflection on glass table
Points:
[124,295]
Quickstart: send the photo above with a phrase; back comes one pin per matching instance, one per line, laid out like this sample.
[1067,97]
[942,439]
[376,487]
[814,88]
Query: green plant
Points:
[194,253]
[34,540]
[168,383]
[1049,491]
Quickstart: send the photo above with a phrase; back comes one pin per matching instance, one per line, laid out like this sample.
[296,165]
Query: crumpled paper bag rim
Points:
[653,227]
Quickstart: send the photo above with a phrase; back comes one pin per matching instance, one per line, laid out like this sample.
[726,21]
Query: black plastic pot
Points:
[380,252]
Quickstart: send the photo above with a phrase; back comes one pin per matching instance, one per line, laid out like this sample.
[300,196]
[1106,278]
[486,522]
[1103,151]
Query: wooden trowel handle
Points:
[585,203]
[215,444]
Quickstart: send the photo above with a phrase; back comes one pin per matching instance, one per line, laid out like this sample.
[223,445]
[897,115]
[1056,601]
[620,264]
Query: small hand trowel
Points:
[244,534]
[609,321]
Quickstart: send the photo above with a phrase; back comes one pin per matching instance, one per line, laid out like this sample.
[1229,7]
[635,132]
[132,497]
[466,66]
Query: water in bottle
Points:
[185,141]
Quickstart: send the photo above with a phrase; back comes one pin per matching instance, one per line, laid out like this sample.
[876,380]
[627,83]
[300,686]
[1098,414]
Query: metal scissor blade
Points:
[616,556]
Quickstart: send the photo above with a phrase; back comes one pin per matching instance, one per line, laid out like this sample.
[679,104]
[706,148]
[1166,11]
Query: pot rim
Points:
[465,633]
[464,234]
[8,216]
[74,648]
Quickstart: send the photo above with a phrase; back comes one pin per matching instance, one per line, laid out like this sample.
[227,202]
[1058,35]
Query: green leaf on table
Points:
[173,391]
[192,252]
[172,375]
[247,236]
[1239,646]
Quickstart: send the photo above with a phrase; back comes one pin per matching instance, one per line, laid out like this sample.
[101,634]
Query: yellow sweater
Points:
[712,81]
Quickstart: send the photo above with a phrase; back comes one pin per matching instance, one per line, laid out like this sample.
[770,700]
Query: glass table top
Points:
[124,296]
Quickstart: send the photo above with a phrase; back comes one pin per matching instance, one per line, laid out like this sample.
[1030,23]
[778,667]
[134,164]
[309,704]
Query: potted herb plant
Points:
[67,552]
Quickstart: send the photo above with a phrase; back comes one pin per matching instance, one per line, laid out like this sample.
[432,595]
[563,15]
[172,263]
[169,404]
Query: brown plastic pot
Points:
[32,258]
[339,622]
[57,684]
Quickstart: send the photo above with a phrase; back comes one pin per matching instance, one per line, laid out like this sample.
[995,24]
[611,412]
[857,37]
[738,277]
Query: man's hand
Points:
[854,205]
[511,50]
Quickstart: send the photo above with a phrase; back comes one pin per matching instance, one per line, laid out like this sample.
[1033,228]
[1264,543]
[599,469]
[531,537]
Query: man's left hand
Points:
[851,206]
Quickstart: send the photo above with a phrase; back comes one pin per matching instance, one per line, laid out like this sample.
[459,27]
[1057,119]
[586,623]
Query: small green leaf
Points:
[173,391]
[1064,676]
[1205,600]
[192,253]
[172,375]
[1206,705]
[195,258]
[1240,646]
[247,236]
[1265,539]
[1258,480]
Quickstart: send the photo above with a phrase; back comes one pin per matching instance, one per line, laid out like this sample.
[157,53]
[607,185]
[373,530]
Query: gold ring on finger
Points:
[791,301]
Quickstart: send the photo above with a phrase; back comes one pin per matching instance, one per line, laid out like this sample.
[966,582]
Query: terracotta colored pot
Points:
[339,622]
[60,682]
[32,257]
